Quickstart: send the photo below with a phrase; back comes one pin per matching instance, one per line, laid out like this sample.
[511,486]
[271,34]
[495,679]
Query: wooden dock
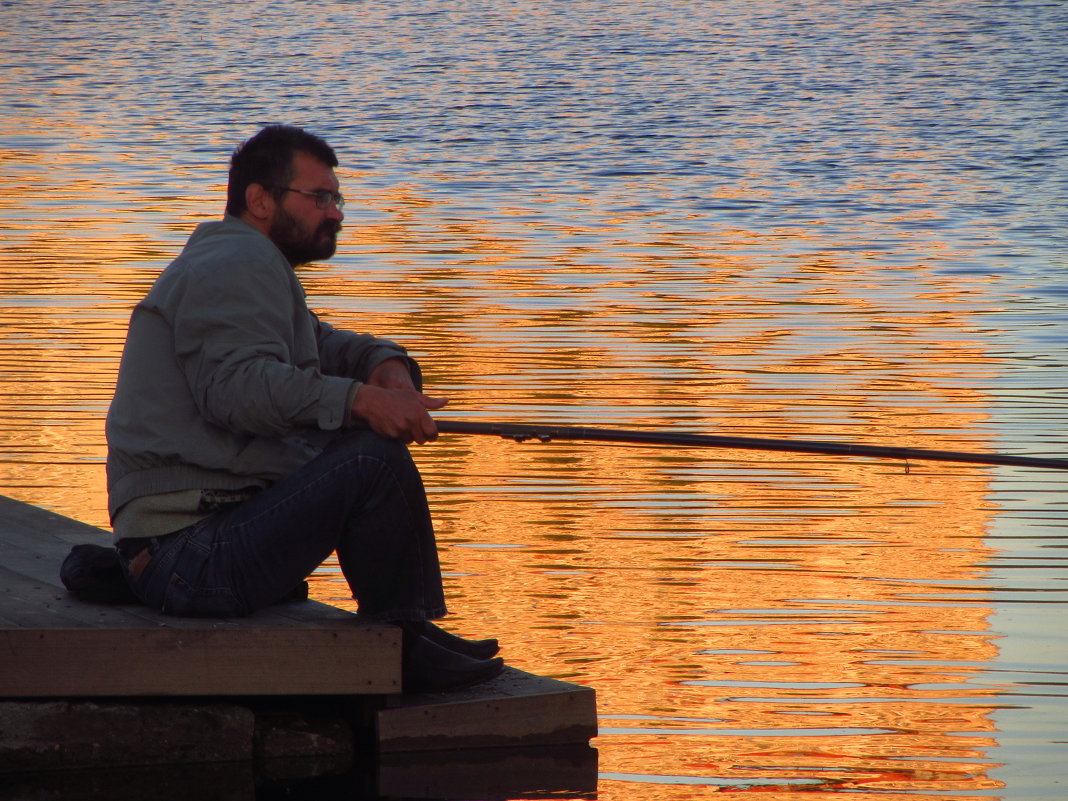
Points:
[258,685]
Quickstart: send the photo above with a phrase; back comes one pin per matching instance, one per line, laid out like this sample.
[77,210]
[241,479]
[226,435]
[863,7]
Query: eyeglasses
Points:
[323,197]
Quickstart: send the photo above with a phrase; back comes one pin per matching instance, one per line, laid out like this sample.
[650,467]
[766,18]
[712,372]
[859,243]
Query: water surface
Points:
[823,220]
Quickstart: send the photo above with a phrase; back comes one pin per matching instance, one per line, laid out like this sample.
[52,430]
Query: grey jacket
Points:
[227,379]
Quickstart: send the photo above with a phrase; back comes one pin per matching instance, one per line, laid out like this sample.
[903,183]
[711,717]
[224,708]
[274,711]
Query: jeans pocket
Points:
[183,599]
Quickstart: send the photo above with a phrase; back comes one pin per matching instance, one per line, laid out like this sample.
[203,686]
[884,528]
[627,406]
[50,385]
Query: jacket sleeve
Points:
[244,340]
[345,353]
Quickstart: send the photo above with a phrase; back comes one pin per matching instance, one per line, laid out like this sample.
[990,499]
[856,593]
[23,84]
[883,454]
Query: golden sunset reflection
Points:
[641,562]
[825,221]
[739,613]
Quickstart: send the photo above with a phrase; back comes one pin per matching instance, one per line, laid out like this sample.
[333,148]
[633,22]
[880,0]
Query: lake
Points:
[840,221]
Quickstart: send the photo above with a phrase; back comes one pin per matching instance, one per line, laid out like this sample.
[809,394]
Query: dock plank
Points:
[55,645]
[516,708]
[139,661]
[22,520]
[33,604]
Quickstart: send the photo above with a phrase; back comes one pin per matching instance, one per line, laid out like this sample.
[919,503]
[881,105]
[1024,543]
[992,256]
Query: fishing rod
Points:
[546,433]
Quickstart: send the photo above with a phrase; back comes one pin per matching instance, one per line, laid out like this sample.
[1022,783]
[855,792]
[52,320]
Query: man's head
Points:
[282,182]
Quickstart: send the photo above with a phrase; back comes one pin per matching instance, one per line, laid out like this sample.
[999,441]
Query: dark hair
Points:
[267,159]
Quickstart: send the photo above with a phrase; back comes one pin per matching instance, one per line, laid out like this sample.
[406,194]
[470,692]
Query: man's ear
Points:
[259,201]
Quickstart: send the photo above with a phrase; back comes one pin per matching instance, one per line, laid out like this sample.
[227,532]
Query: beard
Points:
[297,243]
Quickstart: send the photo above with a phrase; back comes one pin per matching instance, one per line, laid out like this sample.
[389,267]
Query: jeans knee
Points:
[363,443]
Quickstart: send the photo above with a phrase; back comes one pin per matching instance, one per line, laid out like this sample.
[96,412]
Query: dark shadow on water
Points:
[497,774]
[560,771]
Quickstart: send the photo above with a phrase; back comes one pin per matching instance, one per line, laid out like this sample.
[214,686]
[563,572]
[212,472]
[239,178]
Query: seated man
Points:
[248,440]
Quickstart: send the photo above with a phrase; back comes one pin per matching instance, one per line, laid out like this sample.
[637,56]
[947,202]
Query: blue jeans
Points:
[362,496]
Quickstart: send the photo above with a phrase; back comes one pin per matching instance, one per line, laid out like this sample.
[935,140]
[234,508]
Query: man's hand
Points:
[392,374]
[393,407]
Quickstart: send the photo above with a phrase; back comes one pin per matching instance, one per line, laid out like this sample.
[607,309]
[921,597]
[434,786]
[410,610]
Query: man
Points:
[248,440]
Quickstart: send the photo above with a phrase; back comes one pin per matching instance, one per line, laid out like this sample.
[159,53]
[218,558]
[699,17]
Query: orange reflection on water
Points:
[847,586]
[743,616]
[71,268]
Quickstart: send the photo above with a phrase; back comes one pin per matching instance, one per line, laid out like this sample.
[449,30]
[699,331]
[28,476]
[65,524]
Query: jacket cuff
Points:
[335,404]
[350,418]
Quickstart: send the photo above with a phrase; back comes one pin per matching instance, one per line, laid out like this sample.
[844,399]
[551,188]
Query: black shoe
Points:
[477,649]
[429,668]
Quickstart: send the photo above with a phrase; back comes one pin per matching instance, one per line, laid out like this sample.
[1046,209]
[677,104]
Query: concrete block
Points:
[54,735]
[296,734]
